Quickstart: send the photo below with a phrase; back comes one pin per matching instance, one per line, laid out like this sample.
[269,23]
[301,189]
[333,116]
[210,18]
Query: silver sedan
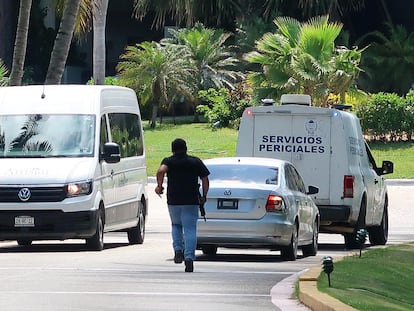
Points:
[258,203]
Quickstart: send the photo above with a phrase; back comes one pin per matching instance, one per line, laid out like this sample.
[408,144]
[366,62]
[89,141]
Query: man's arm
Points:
[205,184]
[160,178]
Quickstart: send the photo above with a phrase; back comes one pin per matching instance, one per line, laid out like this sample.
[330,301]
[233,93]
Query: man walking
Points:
[183,199]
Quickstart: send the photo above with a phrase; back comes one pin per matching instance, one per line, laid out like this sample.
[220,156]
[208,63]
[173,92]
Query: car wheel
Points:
[96,242]
[290,252]
[136,235]
[350,238]
[209,250]
[378,235]
[312,249]
[24,242]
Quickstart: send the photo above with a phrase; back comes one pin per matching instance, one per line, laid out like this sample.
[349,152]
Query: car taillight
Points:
[348,186]
[274,203]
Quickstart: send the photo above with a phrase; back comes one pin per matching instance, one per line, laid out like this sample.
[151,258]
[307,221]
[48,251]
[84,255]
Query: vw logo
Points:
[24,194]
[227,192]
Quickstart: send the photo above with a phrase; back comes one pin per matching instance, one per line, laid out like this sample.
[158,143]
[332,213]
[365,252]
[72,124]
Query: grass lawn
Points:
[380,280]
[205,143]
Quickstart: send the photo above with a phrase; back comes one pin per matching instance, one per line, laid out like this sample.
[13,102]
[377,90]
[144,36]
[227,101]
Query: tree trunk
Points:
[20,43]
[62,43]
[99,26]
[154,113]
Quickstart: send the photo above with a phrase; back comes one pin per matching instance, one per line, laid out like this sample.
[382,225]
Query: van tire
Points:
[24,242]
[210,250]
[350,238]
[136,235]
[290,252]
[378,235]
[96,242]
[312,249]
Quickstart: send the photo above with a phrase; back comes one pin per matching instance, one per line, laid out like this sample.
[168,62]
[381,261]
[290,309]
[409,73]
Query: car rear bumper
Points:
[244,233]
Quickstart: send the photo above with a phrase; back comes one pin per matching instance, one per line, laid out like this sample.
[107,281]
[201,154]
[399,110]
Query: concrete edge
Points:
[311,297]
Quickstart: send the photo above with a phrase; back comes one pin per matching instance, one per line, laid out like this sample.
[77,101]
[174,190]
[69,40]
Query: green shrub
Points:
[383,117]
[222,107]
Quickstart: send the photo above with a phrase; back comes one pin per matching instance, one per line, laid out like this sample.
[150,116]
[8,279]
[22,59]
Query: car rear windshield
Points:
[244,173]
[46,135]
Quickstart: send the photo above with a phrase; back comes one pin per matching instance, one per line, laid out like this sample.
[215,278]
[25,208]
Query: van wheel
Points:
[350,238]
[209,250]
[312,249]
[24,242]
[136,235]
[290,252]
[378,235]
[96,242]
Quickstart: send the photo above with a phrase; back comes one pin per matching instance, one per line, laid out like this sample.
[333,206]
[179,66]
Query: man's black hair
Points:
[179,146]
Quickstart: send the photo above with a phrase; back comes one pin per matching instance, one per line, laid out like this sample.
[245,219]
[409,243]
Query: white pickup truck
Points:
[327,147]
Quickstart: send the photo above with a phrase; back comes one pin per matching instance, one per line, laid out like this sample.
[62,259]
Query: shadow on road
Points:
[55,248]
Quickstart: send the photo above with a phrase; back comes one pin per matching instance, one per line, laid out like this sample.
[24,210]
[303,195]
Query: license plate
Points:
[227,204]
[24,221]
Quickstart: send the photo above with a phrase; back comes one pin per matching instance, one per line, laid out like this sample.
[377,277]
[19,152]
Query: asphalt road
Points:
[54,275]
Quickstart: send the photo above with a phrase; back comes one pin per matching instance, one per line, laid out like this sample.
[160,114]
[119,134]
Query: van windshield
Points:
[47,135]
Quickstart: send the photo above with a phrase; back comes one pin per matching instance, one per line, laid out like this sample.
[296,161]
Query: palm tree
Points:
[20,44]
[302,58]
[99,26]
[210,12]
[213,60]
[389,60]
[157,72]
[62,43]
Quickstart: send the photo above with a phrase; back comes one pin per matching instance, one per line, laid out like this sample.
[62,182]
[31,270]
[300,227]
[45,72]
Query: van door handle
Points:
[376,181]
[112,173]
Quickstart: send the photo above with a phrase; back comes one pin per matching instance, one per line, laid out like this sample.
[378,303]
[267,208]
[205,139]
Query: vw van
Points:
[72,164]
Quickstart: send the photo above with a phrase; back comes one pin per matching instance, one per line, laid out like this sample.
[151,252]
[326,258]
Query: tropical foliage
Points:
[157,72]
[4,80]
[389,61]
[214,63]
[302,58]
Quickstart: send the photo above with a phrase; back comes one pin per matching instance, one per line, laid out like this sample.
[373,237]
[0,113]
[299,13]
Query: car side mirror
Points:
[387,167]
[111,153]
[312,190]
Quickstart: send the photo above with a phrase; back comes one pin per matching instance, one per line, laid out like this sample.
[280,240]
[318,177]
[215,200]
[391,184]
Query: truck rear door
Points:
[304,139]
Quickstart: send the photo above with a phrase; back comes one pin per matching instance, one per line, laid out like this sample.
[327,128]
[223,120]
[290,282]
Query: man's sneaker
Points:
[178,257]
[189,266]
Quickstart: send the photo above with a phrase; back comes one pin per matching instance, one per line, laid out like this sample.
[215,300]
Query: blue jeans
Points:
[184,228]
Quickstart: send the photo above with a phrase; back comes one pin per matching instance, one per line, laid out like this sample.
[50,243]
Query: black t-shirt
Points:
[182,183]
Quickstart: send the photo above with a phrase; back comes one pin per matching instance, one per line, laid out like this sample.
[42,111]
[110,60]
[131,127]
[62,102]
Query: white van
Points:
[72,164]
[328,149]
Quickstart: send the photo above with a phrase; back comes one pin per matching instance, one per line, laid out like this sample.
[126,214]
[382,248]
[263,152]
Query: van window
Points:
[126,131]
[47,135]
[103,136]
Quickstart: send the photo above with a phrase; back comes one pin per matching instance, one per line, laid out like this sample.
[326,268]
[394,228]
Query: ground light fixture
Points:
[361,237]
[328,267]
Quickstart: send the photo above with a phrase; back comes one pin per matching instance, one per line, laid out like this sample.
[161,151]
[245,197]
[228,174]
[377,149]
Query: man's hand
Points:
[203,200]
[159,190]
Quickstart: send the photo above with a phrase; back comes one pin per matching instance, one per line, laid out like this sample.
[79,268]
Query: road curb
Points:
[311,297]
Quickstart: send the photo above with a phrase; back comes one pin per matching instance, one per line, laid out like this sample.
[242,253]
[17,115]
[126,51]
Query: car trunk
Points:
[237,200]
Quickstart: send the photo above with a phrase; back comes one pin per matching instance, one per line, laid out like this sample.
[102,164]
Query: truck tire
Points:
[350,238]
[378,235]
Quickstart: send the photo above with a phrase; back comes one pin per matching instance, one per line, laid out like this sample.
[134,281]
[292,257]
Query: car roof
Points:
[246,160]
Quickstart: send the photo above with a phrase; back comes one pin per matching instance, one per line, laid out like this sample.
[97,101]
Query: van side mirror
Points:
[386,168]
[111,153]
[312,190]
